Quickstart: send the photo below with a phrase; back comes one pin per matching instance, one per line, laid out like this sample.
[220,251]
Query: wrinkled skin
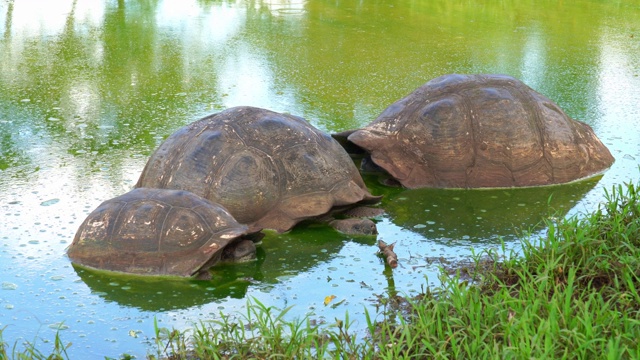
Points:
[270,170]
[157,232]
[241,251]
[355,226]
[472,131]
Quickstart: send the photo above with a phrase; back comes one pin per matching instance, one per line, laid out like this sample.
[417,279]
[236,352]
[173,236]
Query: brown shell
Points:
[155,232]
[470,131]
[270,170]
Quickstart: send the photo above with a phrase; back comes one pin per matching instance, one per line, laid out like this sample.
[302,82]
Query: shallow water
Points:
[88,89]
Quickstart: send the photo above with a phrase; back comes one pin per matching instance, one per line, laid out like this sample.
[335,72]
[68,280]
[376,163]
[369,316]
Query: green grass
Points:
[30,351]
[261,332]
[572,294]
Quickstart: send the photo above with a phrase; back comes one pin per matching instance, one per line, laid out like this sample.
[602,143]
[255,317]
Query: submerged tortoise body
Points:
[155,232]
[270,170]
[471,131]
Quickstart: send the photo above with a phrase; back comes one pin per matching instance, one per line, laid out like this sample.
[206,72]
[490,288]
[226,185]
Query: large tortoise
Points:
[470,131]
[270,170]
[159,232]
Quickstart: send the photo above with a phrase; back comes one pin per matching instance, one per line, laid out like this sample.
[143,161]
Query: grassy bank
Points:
[572,294]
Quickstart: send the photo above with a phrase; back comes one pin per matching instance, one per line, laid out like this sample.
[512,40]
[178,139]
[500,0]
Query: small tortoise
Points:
[471,131]
[158,232]
[270,170]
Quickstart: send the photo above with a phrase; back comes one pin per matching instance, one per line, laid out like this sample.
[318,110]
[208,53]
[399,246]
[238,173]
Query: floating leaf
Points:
[58,326]
[338,303]
[49,202]
[328,299]
[9,286]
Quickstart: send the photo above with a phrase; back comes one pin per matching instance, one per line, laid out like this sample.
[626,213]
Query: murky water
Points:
[88,89]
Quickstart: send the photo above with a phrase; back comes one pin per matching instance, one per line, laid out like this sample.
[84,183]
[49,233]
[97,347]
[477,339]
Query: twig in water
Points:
[387,252]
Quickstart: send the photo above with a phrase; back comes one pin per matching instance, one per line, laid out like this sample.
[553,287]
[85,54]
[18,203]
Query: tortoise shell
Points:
[155,232]
[270,170]
[469,131]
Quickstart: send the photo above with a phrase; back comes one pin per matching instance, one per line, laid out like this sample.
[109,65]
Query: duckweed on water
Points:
[572,294]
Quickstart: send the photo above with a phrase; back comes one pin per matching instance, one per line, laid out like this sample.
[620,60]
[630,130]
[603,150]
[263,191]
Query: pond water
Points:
[88,89]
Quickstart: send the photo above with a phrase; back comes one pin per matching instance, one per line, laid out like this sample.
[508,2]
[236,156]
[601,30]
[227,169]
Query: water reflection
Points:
[280,257]
[128,73]
[163,294]
[461,217]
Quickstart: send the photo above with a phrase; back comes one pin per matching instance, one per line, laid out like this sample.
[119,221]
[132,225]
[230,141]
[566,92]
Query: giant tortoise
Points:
[473,131]
[270,170]
[159,232]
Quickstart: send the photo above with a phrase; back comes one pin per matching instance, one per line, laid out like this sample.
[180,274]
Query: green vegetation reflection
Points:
[454,217]
[279,257]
